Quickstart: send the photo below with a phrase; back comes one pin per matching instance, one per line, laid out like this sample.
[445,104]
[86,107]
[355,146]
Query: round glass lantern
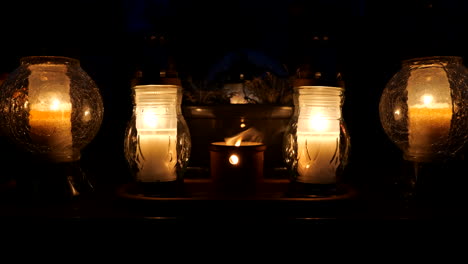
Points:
[157,140]
[424,110]
[50,107]
[316,142]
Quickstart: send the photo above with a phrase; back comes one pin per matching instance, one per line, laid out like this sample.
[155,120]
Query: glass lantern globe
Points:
[50,108]
[423,108]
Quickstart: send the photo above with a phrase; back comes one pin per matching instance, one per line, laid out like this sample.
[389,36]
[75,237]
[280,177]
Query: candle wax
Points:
[159,156]
[318,157]
[53,129]
[427,128]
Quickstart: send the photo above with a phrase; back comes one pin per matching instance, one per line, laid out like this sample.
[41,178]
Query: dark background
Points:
[368,39]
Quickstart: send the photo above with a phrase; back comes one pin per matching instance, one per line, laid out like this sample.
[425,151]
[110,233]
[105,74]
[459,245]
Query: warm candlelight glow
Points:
[318,139]
[236,93]
[157,146]
[423,108]
[318,154]
[427,99]
[150,119]
[429,111]
[157,140]
[318,122]
[53,108]
[157,135]
[428,126]
[234,159]
[250,135]
[236,170]
[50,109]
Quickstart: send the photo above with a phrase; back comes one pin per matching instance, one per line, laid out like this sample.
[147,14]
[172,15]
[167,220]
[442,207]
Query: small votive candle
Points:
[236,170]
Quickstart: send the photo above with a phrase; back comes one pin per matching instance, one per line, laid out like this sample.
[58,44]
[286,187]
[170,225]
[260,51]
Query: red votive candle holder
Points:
[236,171]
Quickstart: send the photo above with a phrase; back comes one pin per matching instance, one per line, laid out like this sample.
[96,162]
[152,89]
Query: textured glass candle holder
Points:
[316,142]
[424,110]
[157,140]
[51,109]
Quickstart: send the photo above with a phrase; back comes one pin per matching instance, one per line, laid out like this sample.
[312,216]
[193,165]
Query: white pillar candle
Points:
[318,149]
[158,150]
[157,135]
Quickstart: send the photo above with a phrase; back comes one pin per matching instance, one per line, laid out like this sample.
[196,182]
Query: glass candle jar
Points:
[316,142]
[157,141]
[423,108]
[50,107]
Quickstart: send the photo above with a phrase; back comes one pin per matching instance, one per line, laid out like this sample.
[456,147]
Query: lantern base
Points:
[53,182]
[429,184]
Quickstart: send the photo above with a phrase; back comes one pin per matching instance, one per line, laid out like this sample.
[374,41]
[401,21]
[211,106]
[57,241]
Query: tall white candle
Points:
[157,145]
[158,150]
[318,149]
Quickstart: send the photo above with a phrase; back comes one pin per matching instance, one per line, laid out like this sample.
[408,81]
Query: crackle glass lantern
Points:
[51,108]
[157,140]
[316,142]
[423,108]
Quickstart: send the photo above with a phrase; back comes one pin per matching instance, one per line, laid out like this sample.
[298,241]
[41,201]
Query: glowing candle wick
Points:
[55,105]
[150,119]
[427,99]
[318,123]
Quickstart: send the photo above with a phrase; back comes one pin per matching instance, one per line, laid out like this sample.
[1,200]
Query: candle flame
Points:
[55,105]
[150,119]
[318,123]
[427,99]
[250,134]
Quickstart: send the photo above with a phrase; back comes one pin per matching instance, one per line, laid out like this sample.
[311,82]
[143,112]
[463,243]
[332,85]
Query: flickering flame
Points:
[150,119]
[319,123]
[52,104]
[55,105]
[251,135]
[234,159]
[427,99]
